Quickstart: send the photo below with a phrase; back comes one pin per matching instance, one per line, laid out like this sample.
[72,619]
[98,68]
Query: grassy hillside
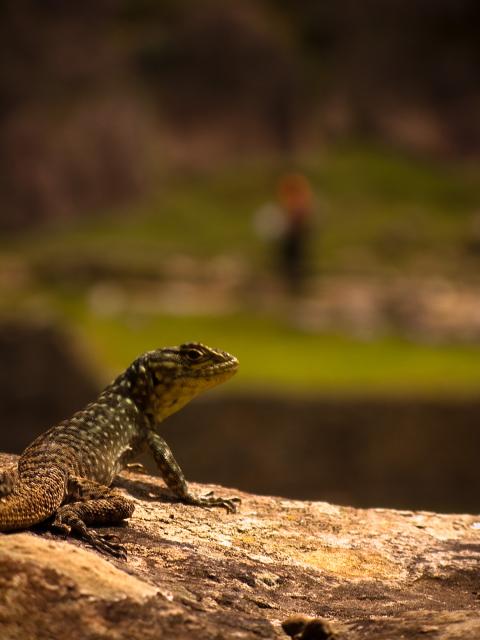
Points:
[377,212]
[276,356]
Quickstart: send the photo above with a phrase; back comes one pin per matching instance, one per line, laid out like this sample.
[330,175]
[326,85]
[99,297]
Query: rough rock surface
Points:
[205,574]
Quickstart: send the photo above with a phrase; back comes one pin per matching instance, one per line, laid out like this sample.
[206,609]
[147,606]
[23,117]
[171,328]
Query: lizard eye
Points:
[194,354]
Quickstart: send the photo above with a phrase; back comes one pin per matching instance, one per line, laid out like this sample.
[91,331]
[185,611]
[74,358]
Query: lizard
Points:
[64,476]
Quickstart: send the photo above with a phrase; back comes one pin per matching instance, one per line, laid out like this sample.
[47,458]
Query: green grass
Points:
[370,200]
[378,210]
[275,356]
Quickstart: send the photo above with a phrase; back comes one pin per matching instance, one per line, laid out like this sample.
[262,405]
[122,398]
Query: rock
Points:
[322,570]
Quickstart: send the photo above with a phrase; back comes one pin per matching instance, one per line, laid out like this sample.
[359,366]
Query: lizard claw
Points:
[109,544]
[110,537]
[210,500]
[62,529]
[230,504]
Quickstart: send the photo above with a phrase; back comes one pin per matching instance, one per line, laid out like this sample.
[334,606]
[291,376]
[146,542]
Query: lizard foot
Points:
[211,500]
[63,530]
[107,543]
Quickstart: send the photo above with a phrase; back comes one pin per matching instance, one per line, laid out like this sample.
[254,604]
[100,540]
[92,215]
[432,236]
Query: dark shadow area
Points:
[138,488]
[41,381]
[404,453]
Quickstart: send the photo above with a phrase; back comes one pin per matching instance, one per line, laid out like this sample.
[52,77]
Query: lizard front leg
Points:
[175,480]
[93,504]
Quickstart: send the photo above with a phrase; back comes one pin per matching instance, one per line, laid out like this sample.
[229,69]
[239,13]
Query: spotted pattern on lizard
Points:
[64,476]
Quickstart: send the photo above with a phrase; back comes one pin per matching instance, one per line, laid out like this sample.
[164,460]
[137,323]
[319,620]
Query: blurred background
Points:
[296,182]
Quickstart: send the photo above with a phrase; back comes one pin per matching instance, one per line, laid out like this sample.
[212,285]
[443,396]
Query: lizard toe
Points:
[210,500]
[107,545]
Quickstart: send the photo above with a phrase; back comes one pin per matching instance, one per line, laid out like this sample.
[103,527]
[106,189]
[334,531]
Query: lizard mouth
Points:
[230,366]
[217,370]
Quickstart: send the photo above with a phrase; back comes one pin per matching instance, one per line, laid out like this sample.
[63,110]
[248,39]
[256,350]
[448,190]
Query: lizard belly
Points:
[104,463]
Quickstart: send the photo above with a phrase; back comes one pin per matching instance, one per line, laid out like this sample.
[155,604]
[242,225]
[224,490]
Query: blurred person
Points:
[296,201]
[287,223]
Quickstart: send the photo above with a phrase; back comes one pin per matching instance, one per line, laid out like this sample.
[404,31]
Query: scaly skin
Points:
[67,471]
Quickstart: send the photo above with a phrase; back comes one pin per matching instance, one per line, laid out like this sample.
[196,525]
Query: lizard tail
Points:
[30,503]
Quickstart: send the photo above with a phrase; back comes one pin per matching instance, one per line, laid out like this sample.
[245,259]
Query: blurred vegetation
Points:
[377,209]
[276,356]
[97,98]
[366,194]
[138,139]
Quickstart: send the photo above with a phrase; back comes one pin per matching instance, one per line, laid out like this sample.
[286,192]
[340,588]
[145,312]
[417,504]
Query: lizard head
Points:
[166,379]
